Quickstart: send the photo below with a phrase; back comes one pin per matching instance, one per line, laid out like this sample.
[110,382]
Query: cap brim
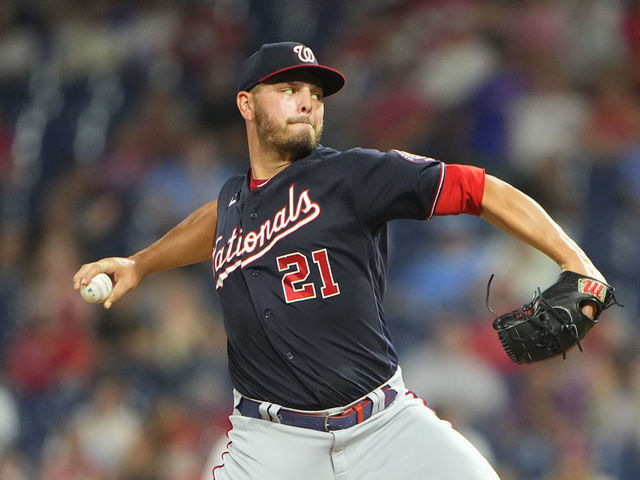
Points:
[332,80]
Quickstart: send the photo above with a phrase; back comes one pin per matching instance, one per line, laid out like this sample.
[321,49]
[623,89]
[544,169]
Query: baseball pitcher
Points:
[298,247]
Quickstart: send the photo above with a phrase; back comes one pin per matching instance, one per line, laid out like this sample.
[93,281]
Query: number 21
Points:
[293,284]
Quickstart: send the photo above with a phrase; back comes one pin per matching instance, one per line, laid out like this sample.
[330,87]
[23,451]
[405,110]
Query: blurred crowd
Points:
[118,118]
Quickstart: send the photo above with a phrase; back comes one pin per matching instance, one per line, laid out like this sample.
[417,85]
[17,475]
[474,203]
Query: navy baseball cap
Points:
[274,58]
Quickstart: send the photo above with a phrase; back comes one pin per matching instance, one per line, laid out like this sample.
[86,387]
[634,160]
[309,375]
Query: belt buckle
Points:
[357,408]
[328,416]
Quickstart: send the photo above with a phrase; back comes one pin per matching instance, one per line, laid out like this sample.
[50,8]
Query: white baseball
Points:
[98,289]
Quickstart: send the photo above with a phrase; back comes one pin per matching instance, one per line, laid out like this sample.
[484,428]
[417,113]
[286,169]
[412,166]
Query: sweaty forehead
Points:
[295,75]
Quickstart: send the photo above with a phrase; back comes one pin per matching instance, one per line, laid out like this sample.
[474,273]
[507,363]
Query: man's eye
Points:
[288,91]
[317,96]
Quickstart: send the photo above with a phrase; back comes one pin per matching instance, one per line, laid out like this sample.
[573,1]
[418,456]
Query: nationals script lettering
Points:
[232,254]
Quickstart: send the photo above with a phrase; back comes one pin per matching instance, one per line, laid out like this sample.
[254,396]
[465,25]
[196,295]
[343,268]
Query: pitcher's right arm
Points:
[191,241]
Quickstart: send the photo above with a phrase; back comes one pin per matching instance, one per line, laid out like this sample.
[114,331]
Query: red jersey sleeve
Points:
[462,191]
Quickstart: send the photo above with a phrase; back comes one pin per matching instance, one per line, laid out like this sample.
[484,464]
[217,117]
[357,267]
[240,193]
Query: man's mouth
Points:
[298,121]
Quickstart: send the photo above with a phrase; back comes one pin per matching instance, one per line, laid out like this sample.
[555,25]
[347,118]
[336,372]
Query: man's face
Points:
[289,113]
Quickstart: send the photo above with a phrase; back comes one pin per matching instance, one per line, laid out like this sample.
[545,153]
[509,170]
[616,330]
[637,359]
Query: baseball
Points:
[98,289]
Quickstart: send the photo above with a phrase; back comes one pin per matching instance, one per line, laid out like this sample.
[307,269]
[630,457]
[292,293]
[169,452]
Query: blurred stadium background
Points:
[117,118]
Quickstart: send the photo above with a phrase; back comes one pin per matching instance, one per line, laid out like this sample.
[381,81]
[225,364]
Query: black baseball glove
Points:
[553,322]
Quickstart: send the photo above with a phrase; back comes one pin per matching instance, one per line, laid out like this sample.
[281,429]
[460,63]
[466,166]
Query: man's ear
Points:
[244,101]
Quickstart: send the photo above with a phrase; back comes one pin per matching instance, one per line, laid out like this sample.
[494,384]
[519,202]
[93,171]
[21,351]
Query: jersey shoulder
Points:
[327,153]
[370,157]
[348,159]
[357,161]
[370,154]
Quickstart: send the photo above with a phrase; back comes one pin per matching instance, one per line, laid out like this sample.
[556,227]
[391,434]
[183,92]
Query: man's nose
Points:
[305,99]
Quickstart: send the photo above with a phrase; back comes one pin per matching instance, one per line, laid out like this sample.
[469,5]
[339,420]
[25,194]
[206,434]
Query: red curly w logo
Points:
[592,287]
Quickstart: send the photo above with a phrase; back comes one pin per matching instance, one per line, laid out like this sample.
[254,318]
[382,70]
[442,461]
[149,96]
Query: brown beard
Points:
[296,145]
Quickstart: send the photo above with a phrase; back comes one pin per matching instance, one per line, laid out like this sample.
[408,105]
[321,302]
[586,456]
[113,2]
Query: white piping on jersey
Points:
[443,169]
[263,183]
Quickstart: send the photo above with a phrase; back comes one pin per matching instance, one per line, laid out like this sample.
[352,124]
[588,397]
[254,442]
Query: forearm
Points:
[191,241]
[520,216]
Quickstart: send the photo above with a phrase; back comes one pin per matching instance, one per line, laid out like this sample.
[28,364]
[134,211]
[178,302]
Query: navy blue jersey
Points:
[300,267]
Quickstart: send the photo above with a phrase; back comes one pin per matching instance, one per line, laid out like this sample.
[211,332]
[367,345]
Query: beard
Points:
[297,144]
